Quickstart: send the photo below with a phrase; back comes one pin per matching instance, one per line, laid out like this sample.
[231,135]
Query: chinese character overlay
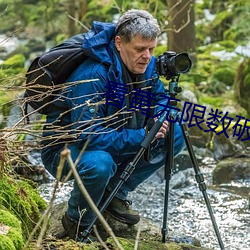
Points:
[194,114]
[197,114]
[141,100]
[116,93]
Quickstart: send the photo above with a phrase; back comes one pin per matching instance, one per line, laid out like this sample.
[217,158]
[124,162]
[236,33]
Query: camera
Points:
[171,65]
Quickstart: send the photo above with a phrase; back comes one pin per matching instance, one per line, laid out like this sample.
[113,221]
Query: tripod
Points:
[169,163]
[173,90]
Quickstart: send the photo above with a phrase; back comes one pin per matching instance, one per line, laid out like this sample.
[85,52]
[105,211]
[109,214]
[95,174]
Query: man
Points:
[119,57]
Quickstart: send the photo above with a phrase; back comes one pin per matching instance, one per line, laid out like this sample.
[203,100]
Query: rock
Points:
[149,238]
[231,169]
[181,179]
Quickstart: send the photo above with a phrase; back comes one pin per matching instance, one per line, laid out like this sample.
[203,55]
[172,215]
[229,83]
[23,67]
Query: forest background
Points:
[215,34]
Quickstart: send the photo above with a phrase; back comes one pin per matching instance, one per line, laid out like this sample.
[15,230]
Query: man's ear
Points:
[118,42]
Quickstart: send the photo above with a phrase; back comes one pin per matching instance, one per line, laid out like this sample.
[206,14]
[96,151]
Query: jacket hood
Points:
[98,42]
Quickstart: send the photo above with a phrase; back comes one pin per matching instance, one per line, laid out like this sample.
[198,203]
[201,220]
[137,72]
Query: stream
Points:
[187,212]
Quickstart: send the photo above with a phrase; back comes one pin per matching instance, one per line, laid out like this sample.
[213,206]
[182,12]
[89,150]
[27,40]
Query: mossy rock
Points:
[231,169]
[11,237]
[242,84]
[225,75]
[21,199]
[128,244]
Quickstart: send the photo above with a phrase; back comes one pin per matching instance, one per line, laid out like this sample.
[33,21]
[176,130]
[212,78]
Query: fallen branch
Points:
[65,154]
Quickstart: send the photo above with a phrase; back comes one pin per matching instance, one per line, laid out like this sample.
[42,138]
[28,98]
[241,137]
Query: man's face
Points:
[137,53]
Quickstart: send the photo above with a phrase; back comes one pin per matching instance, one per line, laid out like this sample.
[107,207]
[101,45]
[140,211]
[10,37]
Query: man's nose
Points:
[146,54]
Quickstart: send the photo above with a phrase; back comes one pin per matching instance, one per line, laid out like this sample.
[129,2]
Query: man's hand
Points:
[163,130]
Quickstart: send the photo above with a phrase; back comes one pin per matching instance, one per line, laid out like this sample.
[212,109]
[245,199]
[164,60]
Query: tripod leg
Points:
[129,169]
[200,180]
[168,173]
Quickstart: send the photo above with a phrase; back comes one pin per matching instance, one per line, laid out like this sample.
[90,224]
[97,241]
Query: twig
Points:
[137,236]
[66,155]
[45,217]
[77,21]
[99,238]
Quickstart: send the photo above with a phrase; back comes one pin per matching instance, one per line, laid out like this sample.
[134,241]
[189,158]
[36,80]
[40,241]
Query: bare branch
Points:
[66,154]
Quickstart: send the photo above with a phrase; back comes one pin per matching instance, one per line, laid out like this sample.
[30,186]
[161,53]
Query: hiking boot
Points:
[75,231]
[121,211]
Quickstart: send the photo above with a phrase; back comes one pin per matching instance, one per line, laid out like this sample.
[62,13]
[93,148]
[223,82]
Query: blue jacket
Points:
[90,117]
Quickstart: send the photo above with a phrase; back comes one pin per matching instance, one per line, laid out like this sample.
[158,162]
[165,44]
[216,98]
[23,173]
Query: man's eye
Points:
[139,50]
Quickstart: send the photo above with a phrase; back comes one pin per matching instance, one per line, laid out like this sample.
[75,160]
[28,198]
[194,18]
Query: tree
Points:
[181,26]
[76,11]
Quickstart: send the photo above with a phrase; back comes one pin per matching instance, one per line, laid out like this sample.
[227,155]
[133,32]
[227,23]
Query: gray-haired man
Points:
[120,56]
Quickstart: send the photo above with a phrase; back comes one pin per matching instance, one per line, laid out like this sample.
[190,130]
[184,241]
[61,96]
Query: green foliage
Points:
[224,75]
[60,38]
[242,84]
[160,49]
[221,23]
[12,67]
[214,101]
[16,61]
[215,72]
[49,20]
[238,31]
[229,23]
[228,45]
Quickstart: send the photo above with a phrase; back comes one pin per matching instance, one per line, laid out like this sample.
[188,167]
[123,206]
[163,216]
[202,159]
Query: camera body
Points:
[171,65]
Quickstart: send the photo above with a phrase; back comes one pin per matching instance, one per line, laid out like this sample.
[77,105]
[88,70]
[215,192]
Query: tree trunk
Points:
[181,27]
[71,6]
[83,7]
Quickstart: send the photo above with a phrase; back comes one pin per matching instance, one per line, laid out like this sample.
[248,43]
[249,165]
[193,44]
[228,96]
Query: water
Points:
[187,212]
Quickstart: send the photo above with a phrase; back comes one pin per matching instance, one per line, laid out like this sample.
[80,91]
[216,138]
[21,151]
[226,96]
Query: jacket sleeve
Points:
[88,115]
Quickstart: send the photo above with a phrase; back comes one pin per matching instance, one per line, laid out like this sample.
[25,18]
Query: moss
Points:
[242,84]
[6,243]
[214,101]
[13,239]
[16,61]
[228,45]
[9,219]
[13,71]
[225,75]
[66,245]
[16,237]
[128,244]
[22,200]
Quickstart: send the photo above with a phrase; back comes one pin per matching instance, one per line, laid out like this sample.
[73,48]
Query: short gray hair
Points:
[135,22]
